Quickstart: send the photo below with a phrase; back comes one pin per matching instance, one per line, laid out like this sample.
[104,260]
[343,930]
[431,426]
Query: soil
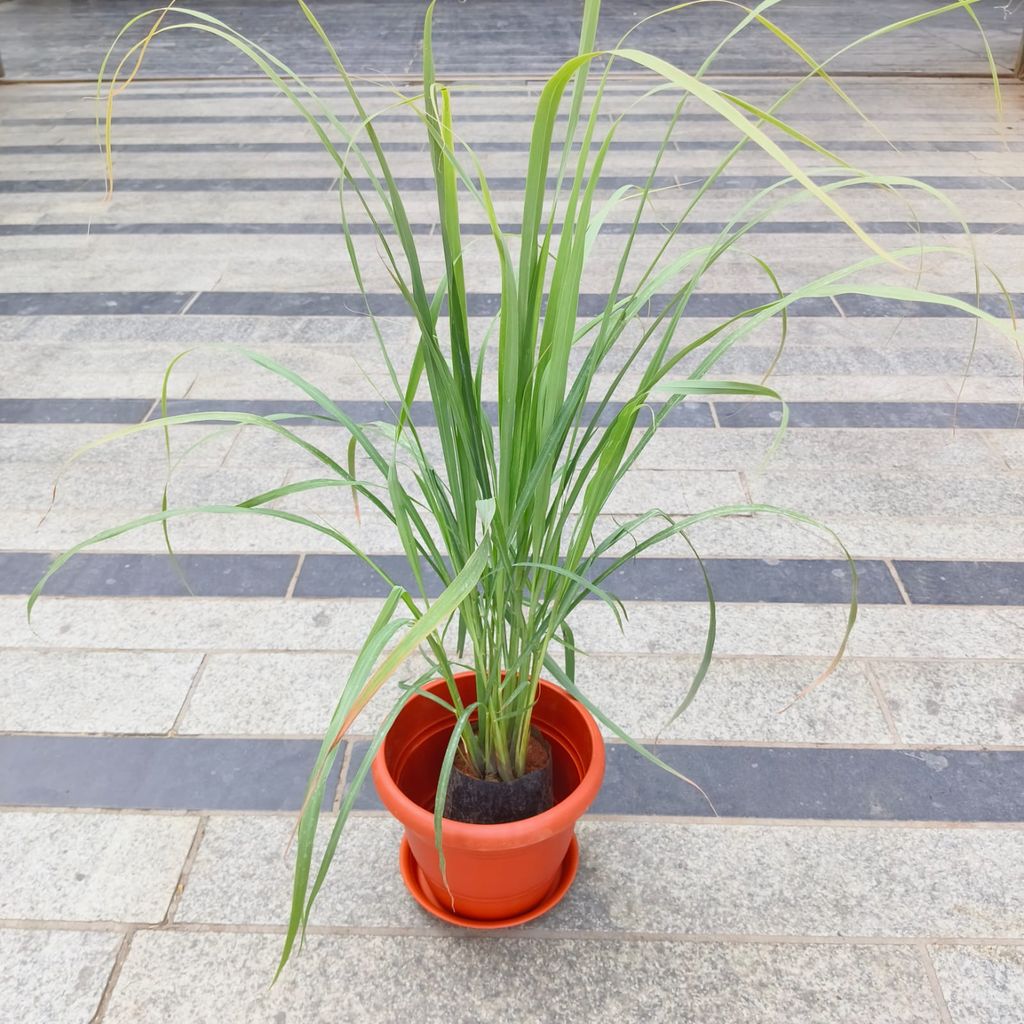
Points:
[492,801]
[538,754]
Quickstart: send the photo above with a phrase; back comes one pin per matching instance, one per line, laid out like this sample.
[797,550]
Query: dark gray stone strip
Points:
[871,306]
[334,228]
[635,116]
[414,184]
[816,784]
[777,581]
[51,185]
[734,580]
[156,773]
[819,784]
[875,415]
[101,574]
[963,583]
[74,410]
[848,146]
[695,414]
[92,303]
[236,303]
[478,304]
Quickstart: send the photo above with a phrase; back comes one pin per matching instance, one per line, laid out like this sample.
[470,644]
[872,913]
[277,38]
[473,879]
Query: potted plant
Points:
[490,756]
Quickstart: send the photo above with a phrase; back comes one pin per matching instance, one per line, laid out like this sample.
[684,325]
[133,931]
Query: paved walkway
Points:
[868,864]
[494,37]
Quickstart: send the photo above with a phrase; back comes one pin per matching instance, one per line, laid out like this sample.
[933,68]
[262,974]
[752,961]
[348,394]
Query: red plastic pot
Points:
[497,874]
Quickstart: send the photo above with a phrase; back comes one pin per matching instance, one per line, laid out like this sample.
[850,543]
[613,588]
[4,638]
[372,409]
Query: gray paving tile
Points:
[994,583]
[741,700]
[73,410]
[224,303]
[695,414]
[93,691]
[227,303]
[242,875]
[870,306]
[20,571]
[326,575]
[332,228]
[172,773]
[124,484]
[278,694]
[649,579]
[198,624]
[885,494]
[939,415]
[981,984]
[955,702]
[91,303]
[657,877]
[54,977]
[90,867]
[376,978]
[827,783]
[794,880]
[381,39]
[88,185]
[150,575]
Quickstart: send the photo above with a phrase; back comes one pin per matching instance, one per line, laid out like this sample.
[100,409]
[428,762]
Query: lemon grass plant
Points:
[508,514]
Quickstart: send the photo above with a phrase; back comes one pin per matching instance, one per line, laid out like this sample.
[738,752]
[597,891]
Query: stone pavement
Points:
[867,865]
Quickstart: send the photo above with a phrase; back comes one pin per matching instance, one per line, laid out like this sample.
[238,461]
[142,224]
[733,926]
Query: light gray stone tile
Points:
[142,451]
[890,494]
[1010,446]
[189,624]
[958,538]
[54,977]
[192,534]
[867,388]
[803,630]
[272,624]
[749,449]
[91,867]
[243,875]
[662,877]
[275,694]
[997,538]
[795,880]
[741,699]
[981,984]
[281,694]
[92,691]
[130,492]
[914,633]
[162,333]
[949,703]
[180,977]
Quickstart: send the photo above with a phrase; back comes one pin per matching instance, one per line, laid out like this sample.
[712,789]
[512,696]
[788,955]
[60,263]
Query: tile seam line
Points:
[976,607]
[703,821]
[610,741]
[186,701]
[875,683]
[529,933]
[928,966]
[181,883]
[123,949]
[385,81]
[228,650]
